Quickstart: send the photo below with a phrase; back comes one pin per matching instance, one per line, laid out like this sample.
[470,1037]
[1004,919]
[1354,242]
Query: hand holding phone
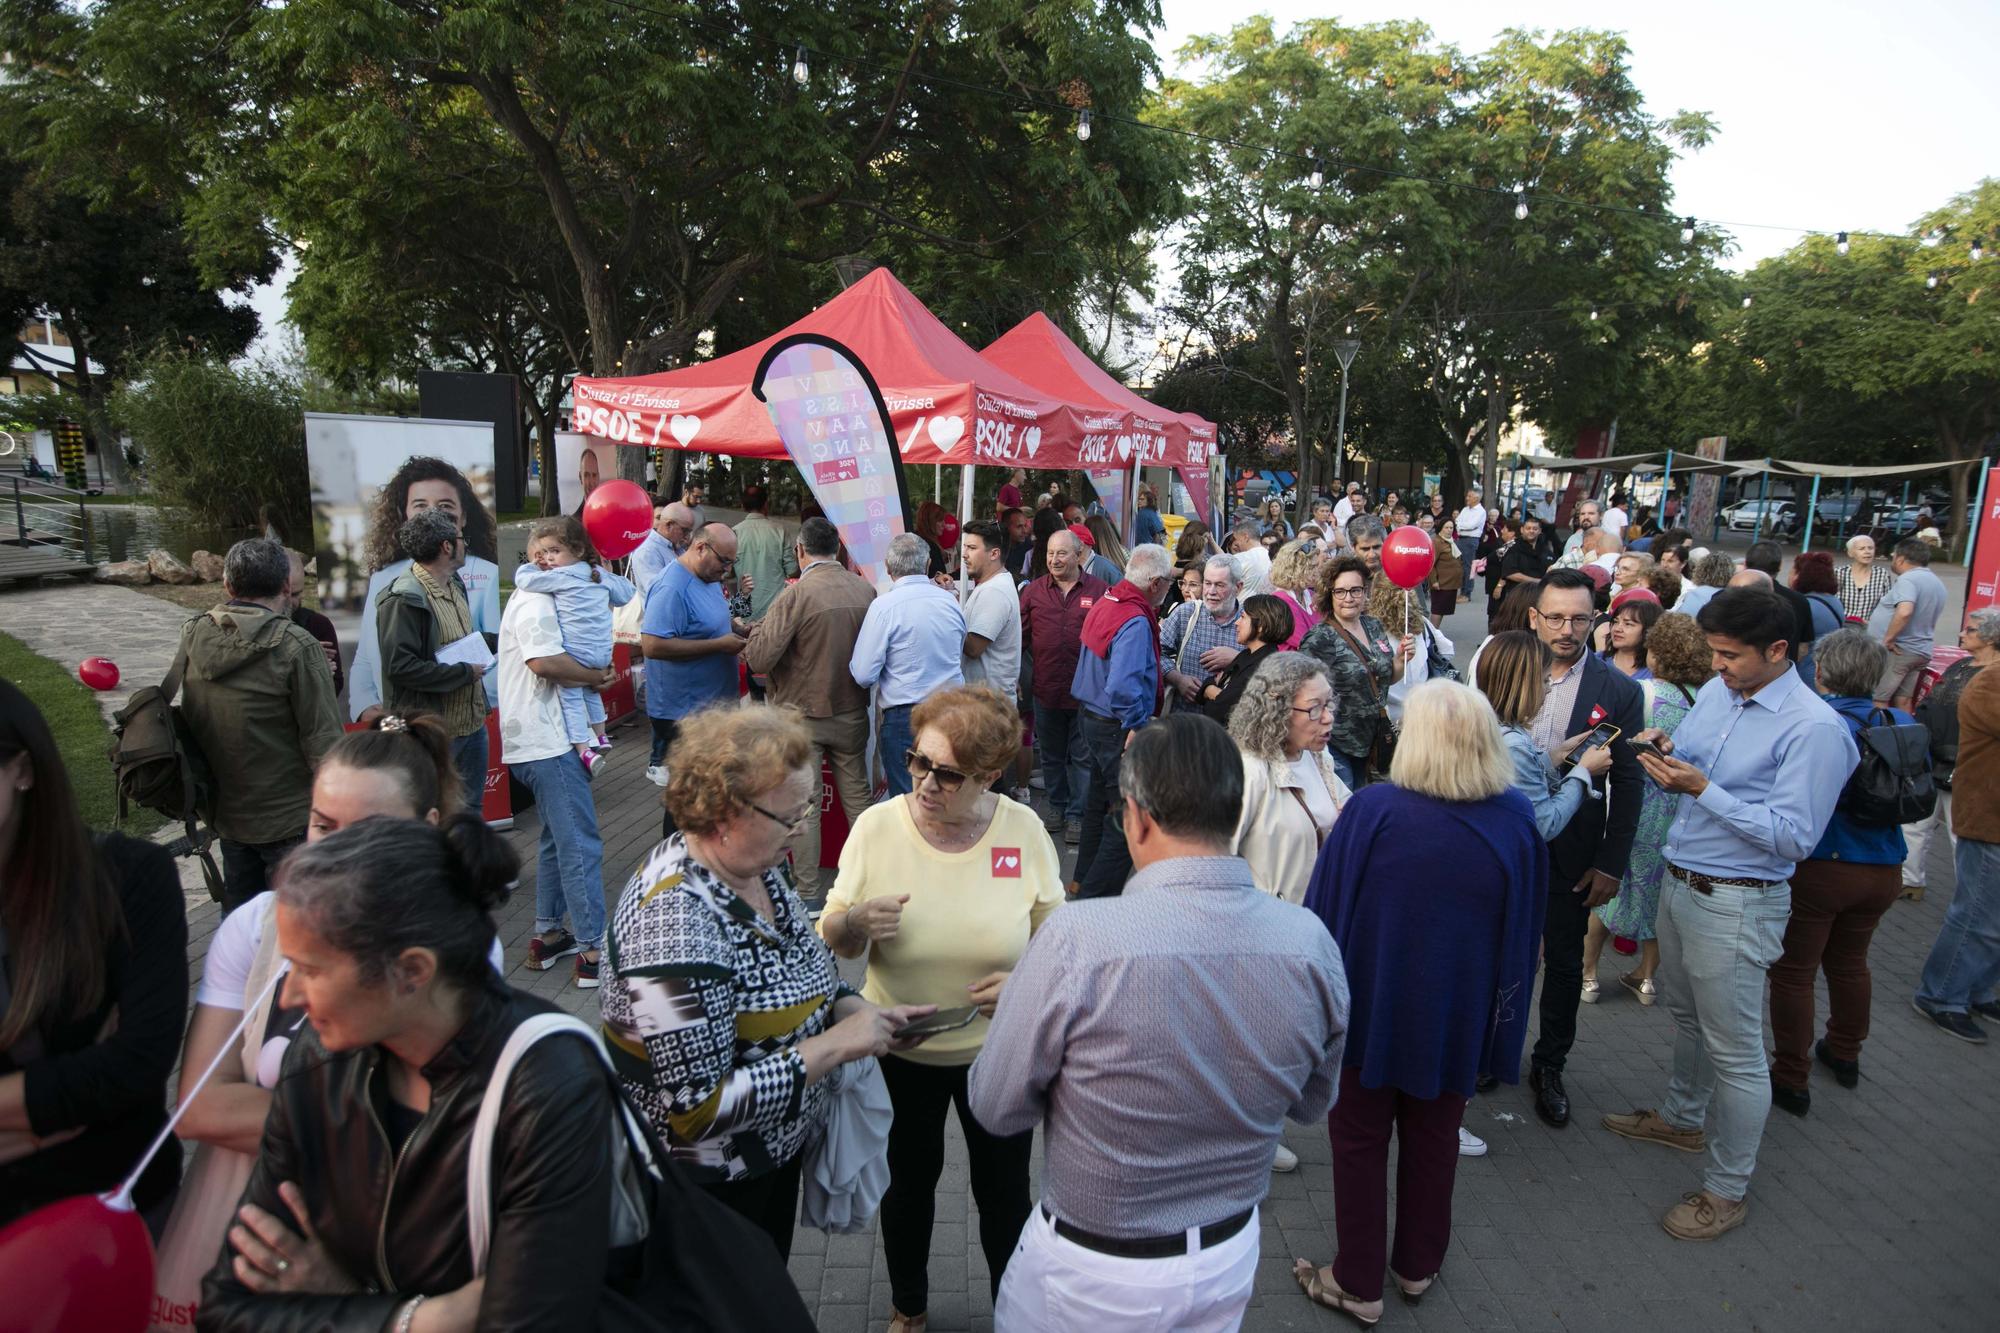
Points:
[944,1020]
[1646,745]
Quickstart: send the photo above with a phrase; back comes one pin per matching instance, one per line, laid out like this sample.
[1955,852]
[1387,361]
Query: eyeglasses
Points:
[1562,622]
[726,561]
[1350,592]
[789,823]
[1319,712]
[949,780]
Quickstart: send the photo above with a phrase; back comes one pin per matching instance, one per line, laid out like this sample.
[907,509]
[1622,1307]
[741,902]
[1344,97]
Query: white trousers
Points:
[1917,837]
[1055,1284]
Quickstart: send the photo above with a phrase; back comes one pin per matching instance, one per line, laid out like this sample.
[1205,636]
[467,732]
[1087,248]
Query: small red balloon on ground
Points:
[100,673]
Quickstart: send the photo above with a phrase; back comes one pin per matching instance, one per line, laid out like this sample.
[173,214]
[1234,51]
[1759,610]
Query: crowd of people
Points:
[1320,857]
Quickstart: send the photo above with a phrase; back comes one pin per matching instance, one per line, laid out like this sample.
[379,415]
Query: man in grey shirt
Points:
[1161,1038]
[1905,620]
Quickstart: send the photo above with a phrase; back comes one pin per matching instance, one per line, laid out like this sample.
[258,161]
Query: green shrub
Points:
[219,441]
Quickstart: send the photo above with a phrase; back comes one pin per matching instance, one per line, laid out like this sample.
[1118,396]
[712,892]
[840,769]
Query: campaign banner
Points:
[830,414]
[1110,487]
[1706,490]
[581,463]
[1982,578]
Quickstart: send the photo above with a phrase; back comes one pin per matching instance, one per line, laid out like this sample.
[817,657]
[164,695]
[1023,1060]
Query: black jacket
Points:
[1234,677]
[1939,714]
[116,1087]
[396,1221]
[1595,839]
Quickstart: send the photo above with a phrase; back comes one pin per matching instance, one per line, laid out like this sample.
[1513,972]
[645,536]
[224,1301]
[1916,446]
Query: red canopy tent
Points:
[1043,355]
[947,404]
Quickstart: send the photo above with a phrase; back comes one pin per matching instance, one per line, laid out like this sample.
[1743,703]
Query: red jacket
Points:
[1052,625]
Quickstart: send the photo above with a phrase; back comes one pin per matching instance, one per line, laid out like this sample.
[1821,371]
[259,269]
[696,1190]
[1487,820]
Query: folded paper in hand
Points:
[470,650]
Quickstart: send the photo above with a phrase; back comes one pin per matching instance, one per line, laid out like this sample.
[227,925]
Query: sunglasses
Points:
[949,780]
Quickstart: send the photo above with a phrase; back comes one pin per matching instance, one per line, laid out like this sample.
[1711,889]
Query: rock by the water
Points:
[125,573]
[207,566]
[167,567]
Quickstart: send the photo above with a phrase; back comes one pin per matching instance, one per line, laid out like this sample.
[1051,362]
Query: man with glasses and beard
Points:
[1587,859]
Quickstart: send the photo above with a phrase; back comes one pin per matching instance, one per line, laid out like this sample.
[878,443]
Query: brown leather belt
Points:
[1148,1247]
[1701,883]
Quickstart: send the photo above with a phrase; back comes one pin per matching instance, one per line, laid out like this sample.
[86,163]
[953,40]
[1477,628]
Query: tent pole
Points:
[1904,508]
[937,487]
[964,517]
[1666,489]
[1972,528]
[1763,503]
[1812,512]
[1128,508]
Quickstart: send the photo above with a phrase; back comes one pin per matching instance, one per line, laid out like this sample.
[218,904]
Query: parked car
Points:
[1761,516]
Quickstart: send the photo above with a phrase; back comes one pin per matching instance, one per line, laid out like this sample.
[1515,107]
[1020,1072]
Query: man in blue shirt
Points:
[1117,690]
[689,641]
[672,526]
[909,648]
[1759,764]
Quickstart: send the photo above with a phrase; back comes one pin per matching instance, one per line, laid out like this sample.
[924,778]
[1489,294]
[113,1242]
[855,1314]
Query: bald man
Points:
[689,641]
[673,524]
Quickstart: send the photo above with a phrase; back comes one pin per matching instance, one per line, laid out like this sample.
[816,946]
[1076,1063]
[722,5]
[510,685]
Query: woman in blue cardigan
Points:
[1431,884]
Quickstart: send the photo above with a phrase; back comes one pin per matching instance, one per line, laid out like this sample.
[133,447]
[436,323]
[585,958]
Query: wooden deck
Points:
[36,561]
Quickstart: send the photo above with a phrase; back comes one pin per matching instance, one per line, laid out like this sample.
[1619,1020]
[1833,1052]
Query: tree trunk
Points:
[1489,460]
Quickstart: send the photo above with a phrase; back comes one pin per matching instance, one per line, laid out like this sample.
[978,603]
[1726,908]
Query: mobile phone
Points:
[1602,734]
[1648,747]
[944,1020]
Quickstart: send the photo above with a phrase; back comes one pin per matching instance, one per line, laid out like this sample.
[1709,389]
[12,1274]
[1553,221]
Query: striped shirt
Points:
[704,1011]
[1861,599]
[1189,631]
[1162,1038]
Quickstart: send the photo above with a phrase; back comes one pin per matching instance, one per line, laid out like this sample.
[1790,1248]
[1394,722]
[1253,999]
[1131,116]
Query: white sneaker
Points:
[1470,1144]
[1286,1159]
[657,775]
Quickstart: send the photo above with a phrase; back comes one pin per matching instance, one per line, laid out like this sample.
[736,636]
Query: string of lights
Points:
[1313,165]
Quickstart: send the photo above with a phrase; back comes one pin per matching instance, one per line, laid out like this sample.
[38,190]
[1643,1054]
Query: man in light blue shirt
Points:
[1759,764]
[689,641]
[672,526]
[909,649]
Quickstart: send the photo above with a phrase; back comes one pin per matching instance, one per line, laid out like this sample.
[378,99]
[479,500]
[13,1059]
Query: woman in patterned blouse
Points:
[1361,660]
[723,1008]
[1862,580]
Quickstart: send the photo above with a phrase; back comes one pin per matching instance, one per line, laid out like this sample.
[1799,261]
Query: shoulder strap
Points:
[170,684]
[1367,672]
[263,964]
[1652,698]
[479,1157]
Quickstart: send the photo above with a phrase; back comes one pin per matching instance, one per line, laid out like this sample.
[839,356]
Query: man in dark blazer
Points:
[1587,859]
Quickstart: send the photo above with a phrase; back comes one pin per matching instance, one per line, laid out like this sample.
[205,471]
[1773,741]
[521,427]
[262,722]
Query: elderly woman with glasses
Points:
[723,1009]
[1291,791]
[942,889]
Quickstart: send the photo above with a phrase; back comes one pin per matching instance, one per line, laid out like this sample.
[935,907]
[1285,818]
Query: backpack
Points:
[1893,784]
[159,765]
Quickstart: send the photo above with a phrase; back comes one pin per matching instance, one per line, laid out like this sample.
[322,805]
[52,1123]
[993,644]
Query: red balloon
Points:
[100,673]
[948,531]
[1407,556]
[618,515]
[78,1263]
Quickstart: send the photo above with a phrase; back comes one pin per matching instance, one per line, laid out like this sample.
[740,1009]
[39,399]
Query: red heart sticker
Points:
[1006,863]
[1597,715]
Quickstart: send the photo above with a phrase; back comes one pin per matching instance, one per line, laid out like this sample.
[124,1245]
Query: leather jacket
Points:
[395,1221]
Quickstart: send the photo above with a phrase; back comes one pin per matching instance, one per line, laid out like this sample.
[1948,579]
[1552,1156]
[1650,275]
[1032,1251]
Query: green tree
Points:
[220,442]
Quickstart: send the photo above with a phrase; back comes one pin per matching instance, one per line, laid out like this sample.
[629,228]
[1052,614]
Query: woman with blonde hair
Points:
[942,889]
[1432,885]
[723,1009]
[1513,675]
[1295,582]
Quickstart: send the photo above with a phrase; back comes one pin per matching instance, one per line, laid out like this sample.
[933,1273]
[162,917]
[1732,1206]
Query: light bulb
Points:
[1318,176]
[1083,125]
[1978,250]
[1746,303]
[1687,231]
[1930,280]
[1840,241]
[1593,316]
[1520,206]
[801,72]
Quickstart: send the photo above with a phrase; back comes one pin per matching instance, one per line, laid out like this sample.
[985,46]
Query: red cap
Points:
[1082,534]
[1634,595]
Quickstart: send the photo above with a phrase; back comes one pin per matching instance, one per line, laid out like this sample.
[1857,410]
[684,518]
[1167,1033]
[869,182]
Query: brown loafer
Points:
[1704,1216]
[1649,1126]
[907,1323]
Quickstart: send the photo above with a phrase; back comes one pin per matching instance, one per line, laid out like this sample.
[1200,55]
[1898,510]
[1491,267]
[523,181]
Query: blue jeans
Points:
[1059,747]
[893,740]
[1964,964]
[570,872]
[1715,949]
[468,756]
[664,731]
[1347,768]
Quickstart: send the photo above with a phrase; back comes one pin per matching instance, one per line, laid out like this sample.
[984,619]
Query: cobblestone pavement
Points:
[1877,1211]
[69,621]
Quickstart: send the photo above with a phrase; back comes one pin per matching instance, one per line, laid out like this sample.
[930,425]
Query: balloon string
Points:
[123,1197]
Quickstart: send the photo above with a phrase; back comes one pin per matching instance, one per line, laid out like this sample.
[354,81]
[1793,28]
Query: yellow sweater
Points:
[970,913]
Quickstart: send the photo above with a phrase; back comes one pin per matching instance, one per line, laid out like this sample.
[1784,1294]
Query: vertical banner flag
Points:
[835,426]
[1110,487]
[1982,582]
[1707,487]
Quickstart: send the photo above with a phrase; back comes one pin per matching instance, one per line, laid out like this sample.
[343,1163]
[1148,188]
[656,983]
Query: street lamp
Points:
[1343,351]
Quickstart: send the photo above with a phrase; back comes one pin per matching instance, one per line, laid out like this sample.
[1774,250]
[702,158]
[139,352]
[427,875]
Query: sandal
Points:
[907,1323]
[1590,988]
[1412,1291]
[1323,1290]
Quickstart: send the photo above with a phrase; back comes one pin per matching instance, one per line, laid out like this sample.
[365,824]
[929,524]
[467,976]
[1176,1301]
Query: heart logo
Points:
[1032,438]
[1124,447]
[685,429]
[944,431]
[1007,863]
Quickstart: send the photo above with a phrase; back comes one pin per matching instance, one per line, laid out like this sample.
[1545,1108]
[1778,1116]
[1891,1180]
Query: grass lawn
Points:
[70,708]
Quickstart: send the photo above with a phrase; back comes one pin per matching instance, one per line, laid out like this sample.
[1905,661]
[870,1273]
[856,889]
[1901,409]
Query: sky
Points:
[1833,115]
